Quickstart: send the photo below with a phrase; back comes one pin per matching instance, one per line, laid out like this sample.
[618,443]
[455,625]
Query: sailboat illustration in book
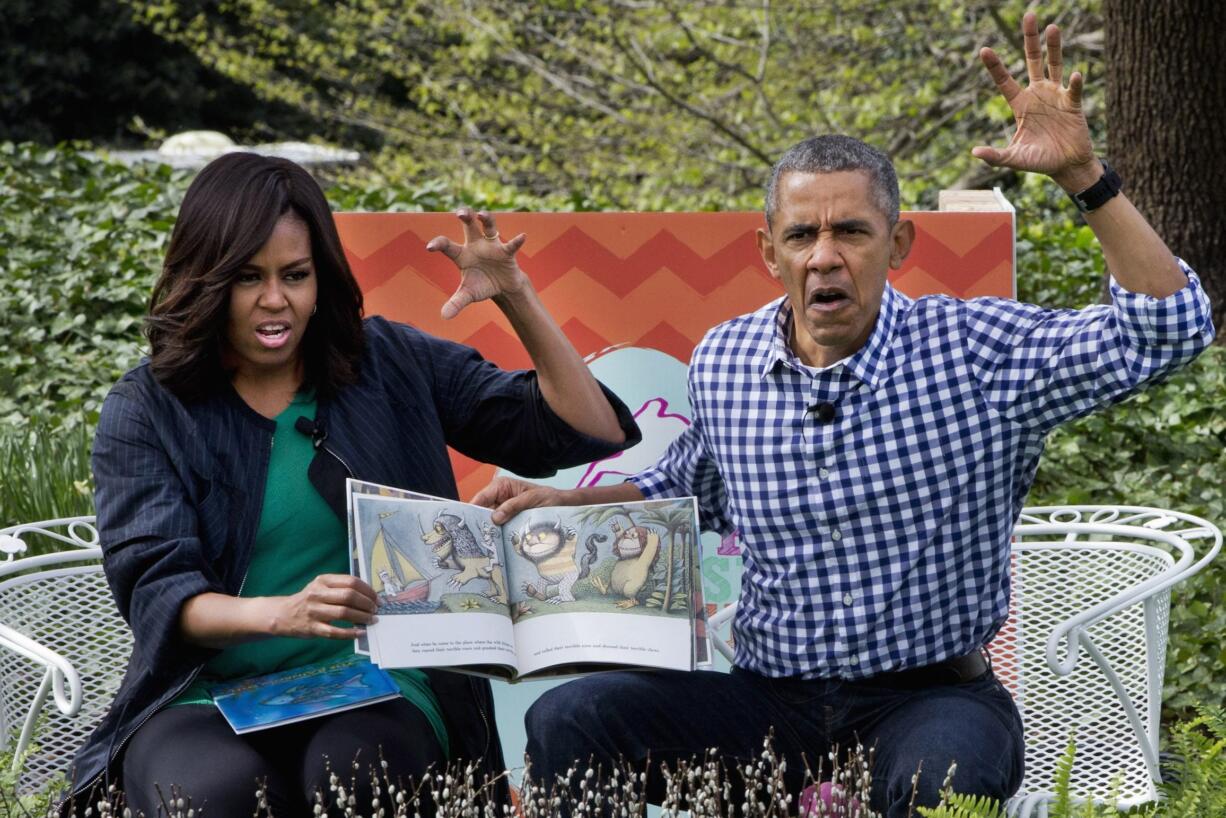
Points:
[401,586]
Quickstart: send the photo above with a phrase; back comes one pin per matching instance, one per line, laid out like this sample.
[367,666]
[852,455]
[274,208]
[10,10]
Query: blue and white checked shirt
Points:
[880,540]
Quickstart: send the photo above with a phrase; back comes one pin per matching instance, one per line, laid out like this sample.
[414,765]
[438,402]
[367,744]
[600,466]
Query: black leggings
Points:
[192,748]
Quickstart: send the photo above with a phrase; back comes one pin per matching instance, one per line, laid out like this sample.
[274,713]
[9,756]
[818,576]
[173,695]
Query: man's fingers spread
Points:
[1075,83]
[488,227]
[1000,75]
[988,154]
[1032,46]
[458,301]
[1055,64]
[472,224]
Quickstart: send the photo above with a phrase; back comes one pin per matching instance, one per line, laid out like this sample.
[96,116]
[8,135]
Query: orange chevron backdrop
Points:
[657,280]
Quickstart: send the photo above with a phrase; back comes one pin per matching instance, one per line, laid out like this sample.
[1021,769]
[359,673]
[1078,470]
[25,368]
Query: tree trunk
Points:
[1166,121]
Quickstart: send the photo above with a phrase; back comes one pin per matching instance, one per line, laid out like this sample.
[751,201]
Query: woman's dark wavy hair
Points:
[228,213]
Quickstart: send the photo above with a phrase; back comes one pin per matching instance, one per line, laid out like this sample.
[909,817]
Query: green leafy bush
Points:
[80,243]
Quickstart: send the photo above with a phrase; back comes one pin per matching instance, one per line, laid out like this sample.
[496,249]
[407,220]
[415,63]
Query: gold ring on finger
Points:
[491,238]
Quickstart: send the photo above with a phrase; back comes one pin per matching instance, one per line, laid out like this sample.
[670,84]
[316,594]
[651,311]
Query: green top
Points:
[299,538]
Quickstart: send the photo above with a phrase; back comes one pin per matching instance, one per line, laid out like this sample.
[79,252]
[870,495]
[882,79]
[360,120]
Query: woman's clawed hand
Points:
[487,264]
[326,599]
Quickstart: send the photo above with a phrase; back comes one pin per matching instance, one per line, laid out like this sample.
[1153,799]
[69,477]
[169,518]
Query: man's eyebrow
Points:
[853,224]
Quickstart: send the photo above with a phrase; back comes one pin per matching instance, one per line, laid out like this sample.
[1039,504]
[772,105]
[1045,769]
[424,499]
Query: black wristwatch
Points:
[1099,193]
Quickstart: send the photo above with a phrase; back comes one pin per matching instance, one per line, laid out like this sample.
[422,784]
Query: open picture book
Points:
[554,591]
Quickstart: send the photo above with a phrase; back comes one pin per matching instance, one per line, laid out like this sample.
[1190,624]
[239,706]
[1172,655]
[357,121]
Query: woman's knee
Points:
[190,754]
[392,740]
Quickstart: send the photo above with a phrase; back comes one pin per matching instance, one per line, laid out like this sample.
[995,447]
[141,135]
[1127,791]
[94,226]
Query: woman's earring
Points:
[314,309]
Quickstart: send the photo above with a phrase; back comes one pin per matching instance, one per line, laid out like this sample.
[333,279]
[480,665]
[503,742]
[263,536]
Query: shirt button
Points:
[855,660]
[836,535]
[823,473]
[848,599]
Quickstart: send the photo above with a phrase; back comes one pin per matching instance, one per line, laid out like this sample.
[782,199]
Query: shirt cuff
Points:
[1178,317]
[653,482]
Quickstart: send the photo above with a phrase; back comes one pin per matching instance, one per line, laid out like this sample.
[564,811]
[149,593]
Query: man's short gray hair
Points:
[835,152]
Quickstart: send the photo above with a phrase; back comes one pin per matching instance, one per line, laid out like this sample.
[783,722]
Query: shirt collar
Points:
[868,364]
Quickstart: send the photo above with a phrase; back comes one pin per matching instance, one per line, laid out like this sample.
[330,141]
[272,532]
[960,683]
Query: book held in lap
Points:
[302,693]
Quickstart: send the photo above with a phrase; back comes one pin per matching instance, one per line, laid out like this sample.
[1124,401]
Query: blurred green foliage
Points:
[640,105]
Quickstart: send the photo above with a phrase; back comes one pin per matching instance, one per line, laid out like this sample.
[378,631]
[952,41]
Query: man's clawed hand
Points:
[487,263]
[1052,136]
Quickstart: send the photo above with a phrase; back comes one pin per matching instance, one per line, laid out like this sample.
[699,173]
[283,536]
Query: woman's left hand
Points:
[487,264]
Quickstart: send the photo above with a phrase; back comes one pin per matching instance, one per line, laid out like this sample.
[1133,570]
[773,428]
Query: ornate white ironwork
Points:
[61,637]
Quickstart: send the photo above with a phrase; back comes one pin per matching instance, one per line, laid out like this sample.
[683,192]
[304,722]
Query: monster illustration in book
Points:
[636,548]
[552,550]
[454,546]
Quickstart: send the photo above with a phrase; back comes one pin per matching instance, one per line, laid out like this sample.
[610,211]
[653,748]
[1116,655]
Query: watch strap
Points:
[1098,194]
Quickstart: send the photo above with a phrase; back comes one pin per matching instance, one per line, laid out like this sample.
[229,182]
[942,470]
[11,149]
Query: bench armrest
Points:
[60,671]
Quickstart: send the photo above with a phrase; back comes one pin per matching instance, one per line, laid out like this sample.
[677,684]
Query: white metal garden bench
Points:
[1086,579]
[1092,580]
[61,638]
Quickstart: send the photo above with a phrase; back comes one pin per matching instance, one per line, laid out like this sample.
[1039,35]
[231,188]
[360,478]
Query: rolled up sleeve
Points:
[1180,317]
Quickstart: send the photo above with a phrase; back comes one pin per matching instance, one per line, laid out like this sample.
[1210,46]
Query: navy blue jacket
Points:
[180,488]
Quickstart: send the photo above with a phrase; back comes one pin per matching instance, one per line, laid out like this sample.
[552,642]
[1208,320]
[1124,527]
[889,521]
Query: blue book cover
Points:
[302,693]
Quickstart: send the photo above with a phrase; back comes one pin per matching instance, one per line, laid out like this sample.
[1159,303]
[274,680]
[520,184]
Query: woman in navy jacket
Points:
[263,391]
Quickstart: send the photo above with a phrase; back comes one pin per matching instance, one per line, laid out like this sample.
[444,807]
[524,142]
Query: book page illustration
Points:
[428,561]
[429,557]
[628,558]
[594,587]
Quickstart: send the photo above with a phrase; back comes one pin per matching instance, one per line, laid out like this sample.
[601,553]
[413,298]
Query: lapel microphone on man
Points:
[822,411]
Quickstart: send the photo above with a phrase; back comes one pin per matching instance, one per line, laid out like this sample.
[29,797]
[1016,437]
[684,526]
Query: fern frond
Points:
[958,805]
[1063,805]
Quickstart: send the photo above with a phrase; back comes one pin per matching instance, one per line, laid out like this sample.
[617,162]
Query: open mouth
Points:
[828,299]
[273,334]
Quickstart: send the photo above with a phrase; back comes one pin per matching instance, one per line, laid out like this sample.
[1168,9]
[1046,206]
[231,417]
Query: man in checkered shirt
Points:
[874,452]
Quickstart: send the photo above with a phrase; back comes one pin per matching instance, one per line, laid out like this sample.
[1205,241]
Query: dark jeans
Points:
[675,715]
[192,747]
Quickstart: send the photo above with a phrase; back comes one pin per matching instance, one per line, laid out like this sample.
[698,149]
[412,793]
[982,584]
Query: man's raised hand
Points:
[1052,136]
[487,263]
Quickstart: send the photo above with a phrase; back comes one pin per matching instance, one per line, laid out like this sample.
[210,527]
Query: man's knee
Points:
[590,707]
[975,762]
